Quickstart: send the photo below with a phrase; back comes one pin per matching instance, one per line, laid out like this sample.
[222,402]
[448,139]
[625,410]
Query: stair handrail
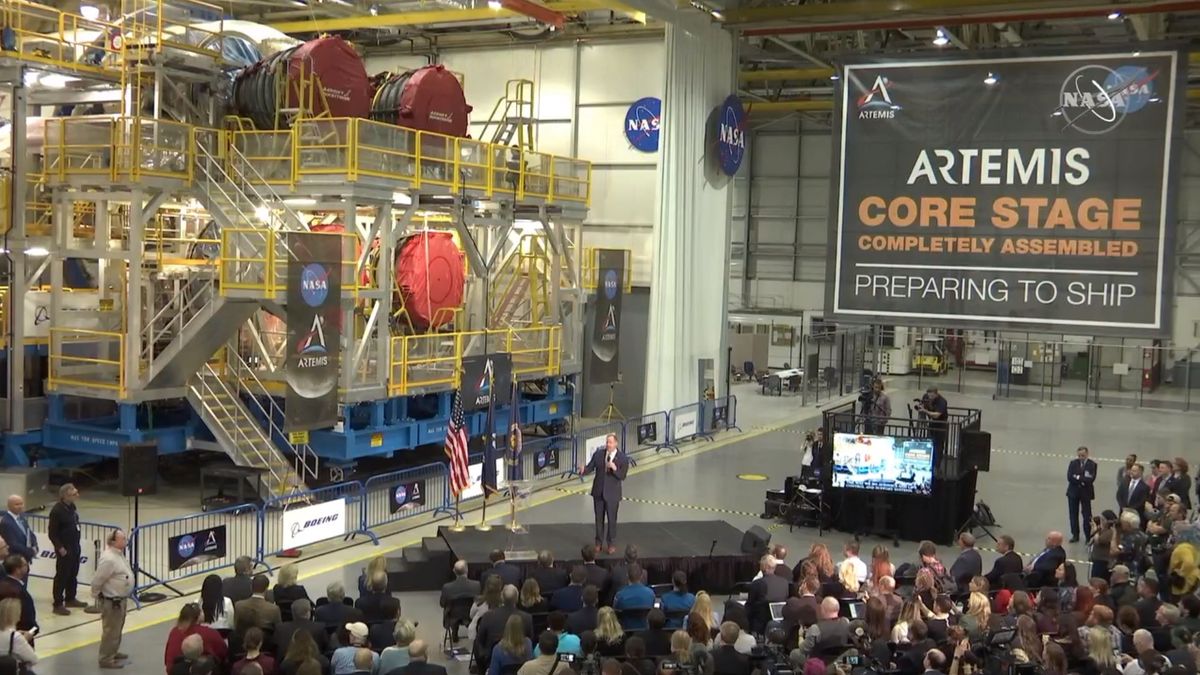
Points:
[179,314]
[271,196]
[245,378]
[204,384]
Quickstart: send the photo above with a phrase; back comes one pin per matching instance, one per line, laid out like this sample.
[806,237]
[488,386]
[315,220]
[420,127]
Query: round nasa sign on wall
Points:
[731,135]
[643,121]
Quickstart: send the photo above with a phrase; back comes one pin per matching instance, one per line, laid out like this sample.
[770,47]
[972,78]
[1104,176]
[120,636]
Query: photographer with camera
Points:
[934,408]
[814,448]
[876,406]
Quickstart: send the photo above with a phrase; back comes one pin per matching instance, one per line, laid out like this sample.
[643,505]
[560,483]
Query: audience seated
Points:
[531,599]
[216,610]
[288,590]
[489,599]
[188,624]
[830,632]
[335,611]
[513,649]
[635,596]
[418,662]
[13,639]
[636,658]
[353,638]
[493,624]
[1009,561]
[256,610]
[546,660]
[191,649]
[252,642]
[397,655]
[377,604]
[509,573]
[454,595]
[301,652]
[365,662]
[301,622]
[596,575]
[610,636]
[1040,571]
[584,619]
[619,574]
[677,602]
[570,597]
[377,564]
[568,643]
[383,632]
[548,577]
[237,587]
[968,564]
[656,638]
[727,660]
[763,591]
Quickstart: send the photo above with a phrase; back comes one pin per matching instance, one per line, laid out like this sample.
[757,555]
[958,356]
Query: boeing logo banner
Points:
[606,320]
[314,292]
[486,380]
[1023,192]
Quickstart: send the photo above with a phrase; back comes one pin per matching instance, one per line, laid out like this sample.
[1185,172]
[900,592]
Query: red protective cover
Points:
[429,274]
[433,100]
[340,71]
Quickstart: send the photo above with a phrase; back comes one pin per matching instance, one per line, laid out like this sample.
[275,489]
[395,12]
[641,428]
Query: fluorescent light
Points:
[300,201]
[401,198]
[56,81]
[37,251]
[940,40]
[990,79]
[835,77]
[1155,99]
[262,213]
[1113,16]
[717,15]
[30,78]
[89,12]
[1056,113]
[494,5]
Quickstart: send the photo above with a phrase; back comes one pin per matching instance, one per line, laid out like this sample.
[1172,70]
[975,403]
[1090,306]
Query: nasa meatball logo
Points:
[186,547]
[314,285]
[877,103]
[643,123]
[731,135]
[610,284]
[1095,99]
[401,494]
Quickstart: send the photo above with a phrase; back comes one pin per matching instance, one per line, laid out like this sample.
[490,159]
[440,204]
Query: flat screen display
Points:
[883,463]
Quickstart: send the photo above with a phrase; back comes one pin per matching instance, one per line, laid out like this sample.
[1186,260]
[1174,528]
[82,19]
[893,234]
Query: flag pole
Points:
[457,526]
[489,440]
[513,458]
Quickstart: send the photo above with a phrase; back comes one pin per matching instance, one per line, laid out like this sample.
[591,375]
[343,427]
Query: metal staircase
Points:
[519,291]
[235,405]
[511,121]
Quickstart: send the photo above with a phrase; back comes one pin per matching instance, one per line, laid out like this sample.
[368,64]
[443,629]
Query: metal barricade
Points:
[177,548]
[394,496]
[684,424]
[719,414]
[648,432]
[588,441]
[274,510]
[542,459]
[92,538]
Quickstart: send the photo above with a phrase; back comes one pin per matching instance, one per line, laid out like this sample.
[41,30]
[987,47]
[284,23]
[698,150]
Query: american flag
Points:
[456,447]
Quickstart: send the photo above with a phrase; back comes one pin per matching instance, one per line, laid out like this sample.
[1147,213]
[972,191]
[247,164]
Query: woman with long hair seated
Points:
[925,588]
[977,620]
[489,598]
[14,641]
[288,590]
[187,624]
[1054,661]
[820,558]
[531,599]
[1100,657]
[1048,611]
[216,610]
[1027,644]
[878,630]
[910,612]
[881,565]
[698,631]
[610,637]
[303,655]
[847,581]
[703,606]
[513,649]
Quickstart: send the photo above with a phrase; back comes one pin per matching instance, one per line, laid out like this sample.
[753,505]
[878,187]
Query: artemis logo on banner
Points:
[313,331]
[1095,99]
[606,330]
[877,103]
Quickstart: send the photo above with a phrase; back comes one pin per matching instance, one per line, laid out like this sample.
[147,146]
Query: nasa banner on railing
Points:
[310,524]
[1030,192]
[409,495]
[484,378]
[195,548]
[545,459]
[314,340]
[606,324]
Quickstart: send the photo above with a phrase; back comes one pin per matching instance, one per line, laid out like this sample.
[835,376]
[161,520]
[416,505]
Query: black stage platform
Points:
[709,551]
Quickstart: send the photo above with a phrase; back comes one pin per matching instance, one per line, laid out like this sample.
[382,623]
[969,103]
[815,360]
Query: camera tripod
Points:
[977,521]
[611,410]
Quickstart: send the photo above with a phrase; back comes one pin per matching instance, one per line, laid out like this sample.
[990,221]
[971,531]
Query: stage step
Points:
[420,568]
[438,552]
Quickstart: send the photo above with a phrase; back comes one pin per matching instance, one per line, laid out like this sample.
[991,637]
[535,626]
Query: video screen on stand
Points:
[883,463]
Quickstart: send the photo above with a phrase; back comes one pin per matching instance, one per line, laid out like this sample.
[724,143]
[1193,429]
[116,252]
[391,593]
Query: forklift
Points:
[929,356]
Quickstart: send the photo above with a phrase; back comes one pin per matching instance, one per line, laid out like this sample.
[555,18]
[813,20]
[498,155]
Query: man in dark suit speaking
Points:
[1081,475]
[610,465]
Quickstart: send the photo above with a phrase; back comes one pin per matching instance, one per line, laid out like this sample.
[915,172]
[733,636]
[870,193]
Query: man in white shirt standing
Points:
[111,585]
[860,567]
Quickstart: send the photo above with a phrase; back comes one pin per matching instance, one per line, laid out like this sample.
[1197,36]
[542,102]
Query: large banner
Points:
[486,380]
[1034,192]
[606,328]
[314,289]
[310,524]
[196,548]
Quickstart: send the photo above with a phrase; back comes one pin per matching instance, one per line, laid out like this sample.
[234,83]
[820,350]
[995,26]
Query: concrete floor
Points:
[1024,489]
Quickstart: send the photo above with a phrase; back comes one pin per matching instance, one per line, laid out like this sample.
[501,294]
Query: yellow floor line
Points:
[552,495]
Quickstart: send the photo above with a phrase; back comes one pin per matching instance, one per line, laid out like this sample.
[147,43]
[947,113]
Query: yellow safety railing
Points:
[87,358]
[156,147]
[4,314]
[256,260]
[271,154]
[589,265]
[435,359]
[121,148]
[61,39]
[159,26]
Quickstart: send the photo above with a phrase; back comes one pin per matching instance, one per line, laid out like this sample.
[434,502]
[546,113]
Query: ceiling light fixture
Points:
[495,5]
[89,12]
[56,81]
[1113,16]
[835,77]
[940,39]
[37,251]
[990,79]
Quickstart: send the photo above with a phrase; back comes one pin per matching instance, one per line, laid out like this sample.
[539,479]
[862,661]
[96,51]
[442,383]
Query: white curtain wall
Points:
[688,289]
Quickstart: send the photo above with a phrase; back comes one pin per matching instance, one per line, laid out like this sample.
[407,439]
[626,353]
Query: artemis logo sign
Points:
[314,523]
[877,103]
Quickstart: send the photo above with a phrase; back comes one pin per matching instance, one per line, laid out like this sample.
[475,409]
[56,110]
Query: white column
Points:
[691,237]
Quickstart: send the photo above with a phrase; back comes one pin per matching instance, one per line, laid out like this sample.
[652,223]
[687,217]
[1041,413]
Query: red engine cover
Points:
[433,100]
[340,71]
[429,274]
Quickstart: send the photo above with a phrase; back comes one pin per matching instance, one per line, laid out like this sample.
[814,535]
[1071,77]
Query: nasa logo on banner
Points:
[606,320]
[544,460]
[408,495]
[643,124]
[731,135]
[313,331]
[196,548]
[647,433]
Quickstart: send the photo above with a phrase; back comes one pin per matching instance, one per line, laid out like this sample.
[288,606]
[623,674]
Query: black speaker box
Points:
[138,469]
[755,541]
[976,449]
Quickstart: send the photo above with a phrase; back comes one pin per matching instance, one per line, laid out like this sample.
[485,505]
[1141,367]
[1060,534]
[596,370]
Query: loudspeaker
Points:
[138,469]
[755,541]
[976,449]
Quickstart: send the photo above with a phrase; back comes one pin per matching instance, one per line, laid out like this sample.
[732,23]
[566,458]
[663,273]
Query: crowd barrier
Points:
[92,538]
[172,549]
[168,550]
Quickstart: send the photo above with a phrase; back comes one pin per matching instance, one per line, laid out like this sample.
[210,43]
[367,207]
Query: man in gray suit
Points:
[459,589]
[968,565]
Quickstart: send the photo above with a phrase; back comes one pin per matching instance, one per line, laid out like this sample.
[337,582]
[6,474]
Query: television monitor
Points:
[883,464]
